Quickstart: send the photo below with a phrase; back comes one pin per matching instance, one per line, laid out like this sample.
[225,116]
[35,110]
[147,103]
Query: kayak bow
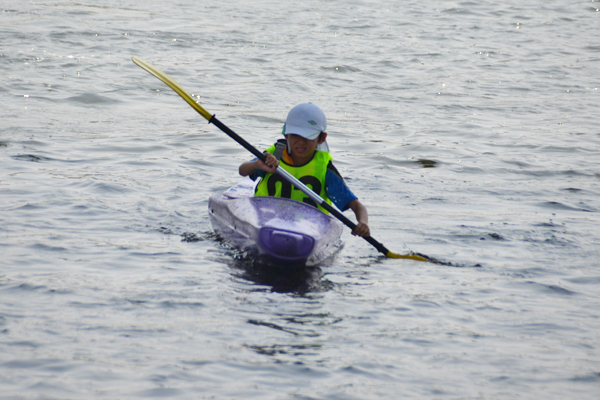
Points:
[277,231]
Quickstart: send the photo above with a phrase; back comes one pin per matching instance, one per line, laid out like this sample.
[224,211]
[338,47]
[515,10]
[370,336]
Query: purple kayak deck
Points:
[279,231]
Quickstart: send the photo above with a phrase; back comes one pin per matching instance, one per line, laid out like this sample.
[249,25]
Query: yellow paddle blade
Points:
[173,85]
[407,256]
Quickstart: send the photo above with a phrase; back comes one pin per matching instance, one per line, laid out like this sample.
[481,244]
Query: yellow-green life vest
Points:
[311,174]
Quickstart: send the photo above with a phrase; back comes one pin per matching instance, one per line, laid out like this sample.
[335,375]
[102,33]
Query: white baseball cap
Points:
[306,120]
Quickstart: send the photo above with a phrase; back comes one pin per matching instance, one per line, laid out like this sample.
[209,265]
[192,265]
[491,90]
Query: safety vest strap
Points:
[280,146]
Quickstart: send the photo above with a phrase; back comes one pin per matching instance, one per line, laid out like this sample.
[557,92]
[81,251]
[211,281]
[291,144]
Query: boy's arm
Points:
[343,199]
[250,167]
[362,216]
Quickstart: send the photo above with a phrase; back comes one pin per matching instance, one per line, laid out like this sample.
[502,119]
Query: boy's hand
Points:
[271,164]
[250,167]
[361,230]
[362,217]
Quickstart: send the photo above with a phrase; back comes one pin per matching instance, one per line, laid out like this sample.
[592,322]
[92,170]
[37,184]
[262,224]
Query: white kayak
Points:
[275,230]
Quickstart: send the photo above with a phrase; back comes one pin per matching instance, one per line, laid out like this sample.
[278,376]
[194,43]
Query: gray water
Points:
[468,129]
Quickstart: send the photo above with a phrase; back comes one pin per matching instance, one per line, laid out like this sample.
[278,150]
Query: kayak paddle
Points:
[286,175]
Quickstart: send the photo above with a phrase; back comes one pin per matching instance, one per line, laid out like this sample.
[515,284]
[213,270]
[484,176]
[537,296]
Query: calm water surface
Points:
[468,129]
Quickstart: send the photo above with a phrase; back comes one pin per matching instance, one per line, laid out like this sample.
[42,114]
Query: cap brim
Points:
[306,133]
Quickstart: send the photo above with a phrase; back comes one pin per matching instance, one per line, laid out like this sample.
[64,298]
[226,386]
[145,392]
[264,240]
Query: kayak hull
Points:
[275,230]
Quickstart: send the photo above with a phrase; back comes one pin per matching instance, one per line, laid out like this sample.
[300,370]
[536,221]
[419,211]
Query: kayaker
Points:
[304,153]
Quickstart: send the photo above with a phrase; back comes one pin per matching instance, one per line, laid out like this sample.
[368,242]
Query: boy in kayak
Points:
[304,153]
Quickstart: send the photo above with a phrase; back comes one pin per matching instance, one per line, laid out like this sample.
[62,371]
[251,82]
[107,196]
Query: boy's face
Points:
[303,149]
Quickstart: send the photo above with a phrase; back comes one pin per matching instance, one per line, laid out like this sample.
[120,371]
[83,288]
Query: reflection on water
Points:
[279,349]
[426,163]
[281,279]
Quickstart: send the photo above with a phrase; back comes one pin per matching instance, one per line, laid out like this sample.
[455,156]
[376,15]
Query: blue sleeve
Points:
[258,174]
[337,191]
